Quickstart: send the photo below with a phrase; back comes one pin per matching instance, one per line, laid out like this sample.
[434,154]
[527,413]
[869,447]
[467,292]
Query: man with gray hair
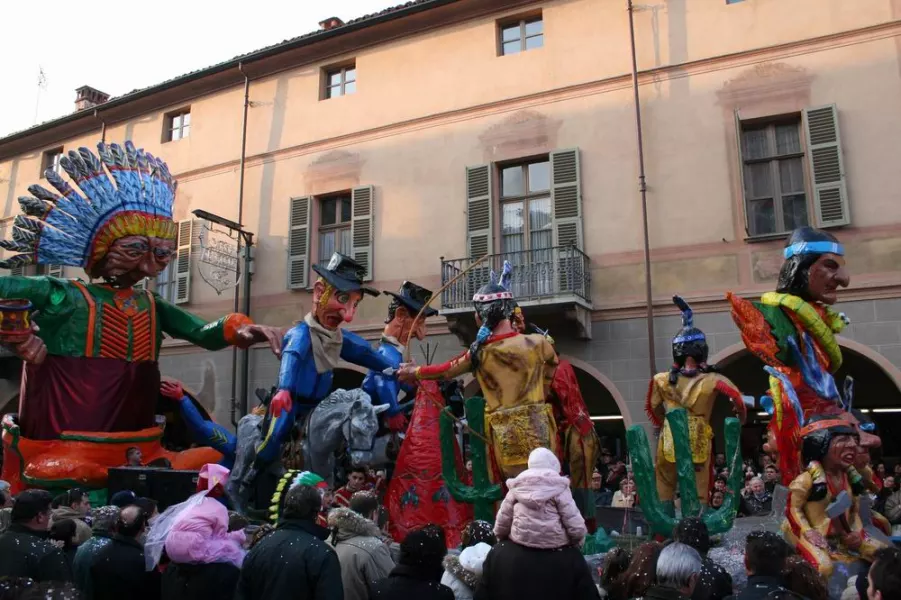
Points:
[677,573]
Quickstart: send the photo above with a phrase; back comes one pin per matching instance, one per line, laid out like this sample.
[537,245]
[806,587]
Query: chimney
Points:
[330,23]
[88,97]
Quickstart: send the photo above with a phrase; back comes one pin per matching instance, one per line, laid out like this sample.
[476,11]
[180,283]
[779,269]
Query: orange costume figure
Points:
[514,371]
[694,385]
[823,523]
[797,320]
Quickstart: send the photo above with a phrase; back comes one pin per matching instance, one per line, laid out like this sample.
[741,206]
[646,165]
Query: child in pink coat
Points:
[539,510]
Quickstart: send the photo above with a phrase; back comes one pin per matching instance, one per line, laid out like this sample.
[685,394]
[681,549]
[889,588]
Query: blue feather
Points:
[789,391]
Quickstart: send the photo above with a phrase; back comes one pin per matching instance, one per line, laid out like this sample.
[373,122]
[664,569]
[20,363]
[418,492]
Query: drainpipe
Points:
[245,359]
[643,188]
[102,125]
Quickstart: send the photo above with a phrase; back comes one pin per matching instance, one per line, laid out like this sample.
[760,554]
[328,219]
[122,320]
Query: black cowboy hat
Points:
[345,274]
[414,297]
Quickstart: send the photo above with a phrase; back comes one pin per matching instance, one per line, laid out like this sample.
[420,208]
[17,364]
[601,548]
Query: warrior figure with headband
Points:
[403,323]
[92,366]
[793,322]
[694,385]
[514,372]
[311,351]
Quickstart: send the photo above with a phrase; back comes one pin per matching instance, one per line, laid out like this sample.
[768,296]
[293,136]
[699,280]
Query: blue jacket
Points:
[298,369]
[382,389]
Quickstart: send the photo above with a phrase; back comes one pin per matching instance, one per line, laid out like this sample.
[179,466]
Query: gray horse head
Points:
[346,417]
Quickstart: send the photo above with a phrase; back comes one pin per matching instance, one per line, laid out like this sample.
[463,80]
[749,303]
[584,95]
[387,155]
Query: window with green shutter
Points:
[361,230]
[182,262]
[827,170]
[299,243]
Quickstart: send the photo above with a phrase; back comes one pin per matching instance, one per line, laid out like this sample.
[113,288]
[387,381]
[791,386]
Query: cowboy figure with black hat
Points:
[694,385]
[313,347]
[403,323]
[824,524]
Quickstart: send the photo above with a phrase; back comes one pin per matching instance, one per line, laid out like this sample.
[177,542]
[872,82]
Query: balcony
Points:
[548,283]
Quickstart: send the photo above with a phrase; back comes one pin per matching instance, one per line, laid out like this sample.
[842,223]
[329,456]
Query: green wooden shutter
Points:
[566,197]
[57,271]
[299,243]
[183,262]
[361,233]
[741,171]
[827,170]
[479,221]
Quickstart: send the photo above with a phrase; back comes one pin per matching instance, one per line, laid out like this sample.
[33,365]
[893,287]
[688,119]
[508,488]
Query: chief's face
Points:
[339,307]
[842,451]
[826,275]
[132,258]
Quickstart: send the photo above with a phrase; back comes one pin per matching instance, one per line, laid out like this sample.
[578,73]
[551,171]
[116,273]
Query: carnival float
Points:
[91,384]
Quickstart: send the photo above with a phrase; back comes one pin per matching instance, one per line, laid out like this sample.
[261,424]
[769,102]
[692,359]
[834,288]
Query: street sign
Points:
[218,264]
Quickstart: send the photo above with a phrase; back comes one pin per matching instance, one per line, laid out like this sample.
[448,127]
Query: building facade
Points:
[427,136]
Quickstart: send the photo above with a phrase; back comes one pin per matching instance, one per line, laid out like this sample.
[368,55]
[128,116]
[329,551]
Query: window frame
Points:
[338,225]
[339,69]
[50,159]
[769,124]
[525,198]
[522,21]
[169,125]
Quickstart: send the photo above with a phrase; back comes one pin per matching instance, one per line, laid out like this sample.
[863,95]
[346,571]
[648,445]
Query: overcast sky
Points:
[119,47]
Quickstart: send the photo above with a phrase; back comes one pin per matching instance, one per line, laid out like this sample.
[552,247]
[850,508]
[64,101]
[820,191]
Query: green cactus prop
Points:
[659,518]
[482,494]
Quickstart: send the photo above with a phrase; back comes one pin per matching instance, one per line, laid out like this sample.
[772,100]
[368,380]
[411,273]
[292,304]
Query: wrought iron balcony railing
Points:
[543,274]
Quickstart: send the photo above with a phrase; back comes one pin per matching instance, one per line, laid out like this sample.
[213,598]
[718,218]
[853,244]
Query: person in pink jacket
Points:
[539,510]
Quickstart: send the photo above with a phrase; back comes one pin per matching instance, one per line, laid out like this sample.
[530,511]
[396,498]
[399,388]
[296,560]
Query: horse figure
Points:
[345,417]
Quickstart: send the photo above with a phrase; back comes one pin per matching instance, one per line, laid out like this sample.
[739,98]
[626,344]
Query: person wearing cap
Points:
[811,524]
[312,349]
[404,322]
[799,309]
[513,371]
[694,385]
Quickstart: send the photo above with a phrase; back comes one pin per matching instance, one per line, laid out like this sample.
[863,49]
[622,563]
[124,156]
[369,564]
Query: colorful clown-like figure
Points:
[694,385]
[404,322]
[312,349]
[797,321]
[92,366]
[514,372]
[823,523]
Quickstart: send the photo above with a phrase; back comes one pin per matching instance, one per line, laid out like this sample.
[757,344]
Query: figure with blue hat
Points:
[794,321]
[312,349]
[403,323]
[694,385]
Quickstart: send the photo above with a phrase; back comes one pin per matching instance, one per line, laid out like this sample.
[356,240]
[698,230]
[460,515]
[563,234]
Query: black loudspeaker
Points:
[172,487]
[135,479]
[165,486]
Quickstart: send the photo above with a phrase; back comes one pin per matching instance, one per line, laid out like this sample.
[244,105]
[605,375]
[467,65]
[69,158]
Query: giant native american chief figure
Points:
[91,382]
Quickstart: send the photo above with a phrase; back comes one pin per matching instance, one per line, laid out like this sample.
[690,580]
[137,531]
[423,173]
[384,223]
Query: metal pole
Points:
[234,386]
[643,188]
[245,355]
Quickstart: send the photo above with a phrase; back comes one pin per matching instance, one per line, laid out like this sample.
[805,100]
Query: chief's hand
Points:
[281,402]
[257,334]
[32,350]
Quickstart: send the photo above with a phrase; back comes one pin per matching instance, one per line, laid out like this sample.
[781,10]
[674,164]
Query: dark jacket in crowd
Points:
[292,562]
[659,592]
[770,588]
[118,571]
[28,553]
[212,581]
[514,572]
[407,582]
[714,582]
[84,558]
[752,506]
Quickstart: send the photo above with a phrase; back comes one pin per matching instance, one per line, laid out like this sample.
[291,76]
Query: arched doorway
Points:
[877,389]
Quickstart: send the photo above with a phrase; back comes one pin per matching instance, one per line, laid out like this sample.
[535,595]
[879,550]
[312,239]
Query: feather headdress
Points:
[76,226]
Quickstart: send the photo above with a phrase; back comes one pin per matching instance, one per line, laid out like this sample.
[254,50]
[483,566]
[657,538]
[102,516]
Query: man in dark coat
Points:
[514,572]
[25,548]
[713,583]
[293,561]
[419,569]
[765,554]
[118,569]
